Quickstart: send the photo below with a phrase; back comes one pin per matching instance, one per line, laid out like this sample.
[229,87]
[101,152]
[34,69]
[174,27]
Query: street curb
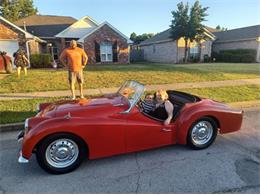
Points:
[11,127]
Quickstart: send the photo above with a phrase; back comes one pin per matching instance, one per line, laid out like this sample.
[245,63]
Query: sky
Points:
[152,16]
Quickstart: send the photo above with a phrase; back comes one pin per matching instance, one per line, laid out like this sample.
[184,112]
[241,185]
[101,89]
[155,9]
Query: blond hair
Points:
[163,93]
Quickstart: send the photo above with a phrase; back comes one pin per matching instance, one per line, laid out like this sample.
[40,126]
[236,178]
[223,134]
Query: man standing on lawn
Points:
[75,59]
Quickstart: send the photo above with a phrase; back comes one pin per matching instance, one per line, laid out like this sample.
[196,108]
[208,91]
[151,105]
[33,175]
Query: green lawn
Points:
[101,76]
[18,110]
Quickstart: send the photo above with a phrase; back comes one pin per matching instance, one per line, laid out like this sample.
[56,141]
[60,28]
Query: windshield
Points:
[132,91]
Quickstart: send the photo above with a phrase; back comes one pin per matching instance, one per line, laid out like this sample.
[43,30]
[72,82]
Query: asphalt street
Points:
[230,165]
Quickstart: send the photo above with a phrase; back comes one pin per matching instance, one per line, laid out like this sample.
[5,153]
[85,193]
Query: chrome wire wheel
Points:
[62,153]
[201,133]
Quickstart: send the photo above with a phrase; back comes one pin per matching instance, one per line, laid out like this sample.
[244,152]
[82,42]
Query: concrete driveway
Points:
[231,165]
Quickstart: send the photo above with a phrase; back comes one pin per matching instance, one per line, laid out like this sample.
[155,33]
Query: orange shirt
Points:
[74,58]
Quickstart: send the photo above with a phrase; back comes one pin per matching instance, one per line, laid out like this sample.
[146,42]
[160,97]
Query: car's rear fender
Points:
[227,119]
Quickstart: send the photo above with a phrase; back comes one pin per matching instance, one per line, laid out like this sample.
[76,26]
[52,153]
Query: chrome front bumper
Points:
[21,159]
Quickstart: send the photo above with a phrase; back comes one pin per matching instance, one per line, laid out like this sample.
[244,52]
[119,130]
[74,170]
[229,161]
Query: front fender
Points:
[48,127]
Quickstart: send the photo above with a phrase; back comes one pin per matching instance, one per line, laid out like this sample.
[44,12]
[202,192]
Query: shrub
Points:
[248,58]
[235,58]
[235,55]
[41,61]
[207,58]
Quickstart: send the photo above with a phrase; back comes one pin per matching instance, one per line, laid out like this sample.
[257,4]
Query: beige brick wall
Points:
[167,52]
[248,44]
[161,52]
[206,49]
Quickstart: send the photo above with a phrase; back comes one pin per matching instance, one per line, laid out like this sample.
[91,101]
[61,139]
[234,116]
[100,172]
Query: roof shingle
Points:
[45,25]
[165,35]
[250,32]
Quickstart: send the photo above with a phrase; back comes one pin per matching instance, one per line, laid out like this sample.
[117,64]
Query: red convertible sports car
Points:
[63,133]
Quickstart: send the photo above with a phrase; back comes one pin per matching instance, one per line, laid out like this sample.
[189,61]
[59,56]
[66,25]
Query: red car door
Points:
[143,132]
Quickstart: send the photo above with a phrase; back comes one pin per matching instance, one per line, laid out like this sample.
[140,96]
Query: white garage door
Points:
[9,46]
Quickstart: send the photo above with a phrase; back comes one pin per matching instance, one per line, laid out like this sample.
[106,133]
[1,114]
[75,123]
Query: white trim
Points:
[209,34]
[100,26]
[59,35]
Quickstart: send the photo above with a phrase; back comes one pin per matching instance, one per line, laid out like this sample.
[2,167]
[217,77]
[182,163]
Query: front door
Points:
[144,133]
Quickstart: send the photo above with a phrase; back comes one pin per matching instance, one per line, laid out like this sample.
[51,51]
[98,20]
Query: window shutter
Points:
[115,59]
[97,52]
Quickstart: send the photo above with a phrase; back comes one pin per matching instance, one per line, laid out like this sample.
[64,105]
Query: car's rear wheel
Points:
[60,153]
[202,133]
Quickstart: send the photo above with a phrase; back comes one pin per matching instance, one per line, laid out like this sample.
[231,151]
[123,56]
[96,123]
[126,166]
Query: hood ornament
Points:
[68,116]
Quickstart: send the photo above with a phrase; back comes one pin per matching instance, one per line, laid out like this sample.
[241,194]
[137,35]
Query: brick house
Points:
[241,38]
[46,27]
[102,42]
[12,37]
[161,48]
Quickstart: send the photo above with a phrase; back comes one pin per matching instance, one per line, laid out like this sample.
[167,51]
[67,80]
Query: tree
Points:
[188,25]
[180,25]
[15,9]
[221,28]
[133,36]
[196,28]
[139,38]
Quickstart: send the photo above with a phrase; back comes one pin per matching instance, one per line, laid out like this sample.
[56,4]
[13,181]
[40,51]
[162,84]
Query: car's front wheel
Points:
[60,153]
[202,133]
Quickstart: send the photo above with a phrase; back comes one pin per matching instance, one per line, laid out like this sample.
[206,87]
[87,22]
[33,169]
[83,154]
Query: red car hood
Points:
[85,107]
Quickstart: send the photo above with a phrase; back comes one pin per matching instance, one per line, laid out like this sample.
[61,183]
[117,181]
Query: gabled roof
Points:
[100,26]
[245,33]
[27,35]
[45,25]
[79,28]
[166,36]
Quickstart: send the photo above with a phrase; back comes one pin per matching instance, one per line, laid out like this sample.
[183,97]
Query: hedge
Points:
[235,55]
[41,61]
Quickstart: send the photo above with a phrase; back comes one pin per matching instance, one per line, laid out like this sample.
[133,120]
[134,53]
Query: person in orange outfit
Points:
[75,59]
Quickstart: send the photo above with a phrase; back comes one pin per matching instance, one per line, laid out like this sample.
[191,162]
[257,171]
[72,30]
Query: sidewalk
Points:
[175,86]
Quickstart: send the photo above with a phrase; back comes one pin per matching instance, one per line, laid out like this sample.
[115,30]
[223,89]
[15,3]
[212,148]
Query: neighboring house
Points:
[12,37]
[46,27]
[161,48]
[241,38]
[102,42]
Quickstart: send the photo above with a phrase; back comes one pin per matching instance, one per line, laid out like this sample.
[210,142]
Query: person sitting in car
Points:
[148,104]
[163,107]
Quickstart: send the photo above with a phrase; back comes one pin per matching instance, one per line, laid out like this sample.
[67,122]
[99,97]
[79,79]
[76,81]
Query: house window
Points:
[194,51]
[106,52]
